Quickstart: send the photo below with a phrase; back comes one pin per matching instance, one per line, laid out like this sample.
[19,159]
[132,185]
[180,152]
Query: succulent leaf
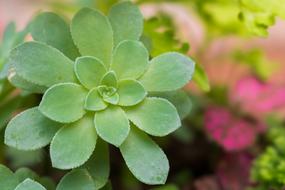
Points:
[73,144]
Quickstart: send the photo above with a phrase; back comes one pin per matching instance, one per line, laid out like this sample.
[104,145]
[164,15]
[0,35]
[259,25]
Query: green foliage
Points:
[257,61]
[23,179]
[220,16]
[269,167]
[159,36]
[99,92]
[258,15]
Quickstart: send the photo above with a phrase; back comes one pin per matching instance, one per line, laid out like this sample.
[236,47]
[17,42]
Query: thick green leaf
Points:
[64,102]
[24,173]
[144,158]
[167,72]
[29,184]
[78,179]
[7,179]
[108,186]
[93,35]
[19,82]
[53,30]
[127,22]
[7,109]
[200,77]
[98,165]
[112,125]
[94,101]
[41,64]
[30,130]
[89,71]
[73,144]
[131,92]
[109,79]
[179,99]
[156,116]
[130,59]
[114,99]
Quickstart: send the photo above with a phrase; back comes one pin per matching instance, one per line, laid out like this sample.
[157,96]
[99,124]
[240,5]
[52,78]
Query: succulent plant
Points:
[23,179]
[96,78]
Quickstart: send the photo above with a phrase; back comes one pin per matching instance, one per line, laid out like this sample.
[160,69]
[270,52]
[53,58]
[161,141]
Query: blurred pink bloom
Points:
[233,171]
[257,98]
[231,133]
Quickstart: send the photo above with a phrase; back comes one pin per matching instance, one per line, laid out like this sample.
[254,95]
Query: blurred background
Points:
[234,136]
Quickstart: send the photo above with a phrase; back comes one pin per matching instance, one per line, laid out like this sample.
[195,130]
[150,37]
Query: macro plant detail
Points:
[96,79]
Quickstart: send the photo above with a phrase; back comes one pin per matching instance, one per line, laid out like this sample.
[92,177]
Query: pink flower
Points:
[228,131]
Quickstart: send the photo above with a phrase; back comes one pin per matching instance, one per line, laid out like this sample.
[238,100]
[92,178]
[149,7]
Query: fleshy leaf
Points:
[78,179]
[98,165]
[54,31]
[73,144]
[114,99]
[41,64]
[89,71]
[93,35]
[19,82]
[109,79]
[130,59]
[7,179]
[127,22]
[167,72]
[30,130]
[144,158]
[114,130]
[131,92]
[64,102]
[94,101]
[179,99]
[201,78]
[29,184]
[7,110]
[24,173]
[156,116]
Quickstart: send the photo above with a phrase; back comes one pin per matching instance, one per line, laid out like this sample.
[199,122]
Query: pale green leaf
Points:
[93,35]
[78,179]
[7,179]
[73,144]
[30,130]
[94,101]
[98,165]
[29,184]
[89,71]
[64,102]
[41,64]
[200,77]
[108,186]
[113,99]
[109,79]
[167,72]
[130,59]
[24,173]
[179,99]
[53,30]
[19,82]
[131,92]
[7,108]
[127,22]
[144,158]
[156,116]
[112,125]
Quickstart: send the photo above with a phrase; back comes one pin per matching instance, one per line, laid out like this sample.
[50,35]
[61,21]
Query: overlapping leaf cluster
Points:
[8,103]
[23,179]
[269,167]
[258,15]
[97,82]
